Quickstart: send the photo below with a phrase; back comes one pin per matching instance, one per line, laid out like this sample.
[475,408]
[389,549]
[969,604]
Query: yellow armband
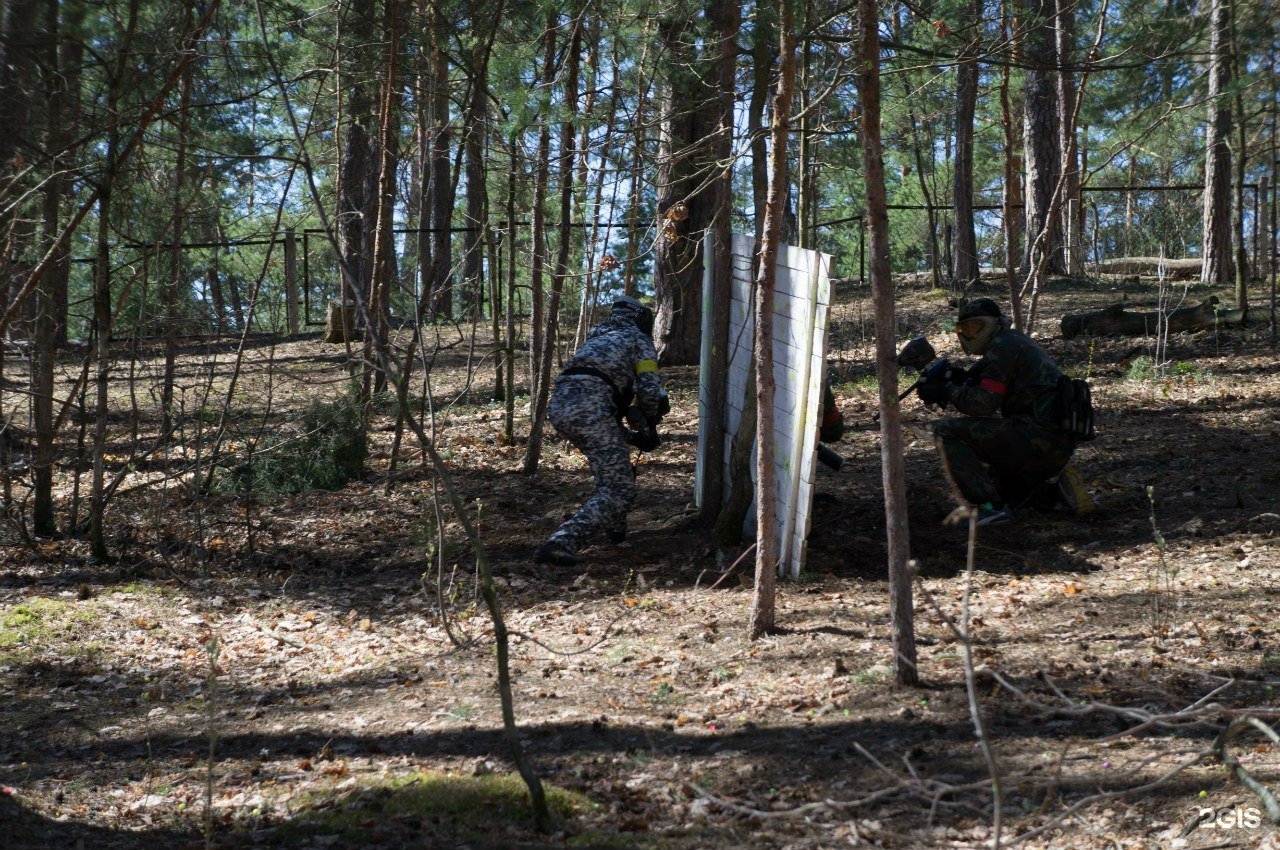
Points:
[646,366]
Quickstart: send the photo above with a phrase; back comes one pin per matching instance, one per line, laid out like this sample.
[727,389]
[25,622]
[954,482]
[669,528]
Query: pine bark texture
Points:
[893,472]
[965,256]
[725,20]
[1217,269]
[687,166]
[1041,142]
[764,602]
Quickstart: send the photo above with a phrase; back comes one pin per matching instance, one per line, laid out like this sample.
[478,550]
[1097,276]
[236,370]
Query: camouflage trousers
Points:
[1000,461]
[582,411]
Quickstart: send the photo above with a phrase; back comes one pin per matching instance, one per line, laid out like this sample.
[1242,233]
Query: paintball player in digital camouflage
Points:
[611,380]
[1007,450]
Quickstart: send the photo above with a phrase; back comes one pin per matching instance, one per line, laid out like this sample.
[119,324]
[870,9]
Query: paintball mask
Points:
[977,323]
[627,307]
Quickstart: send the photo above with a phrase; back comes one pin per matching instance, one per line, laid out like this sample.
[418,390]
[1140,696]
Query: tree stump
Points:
[1117,321]
[340,325]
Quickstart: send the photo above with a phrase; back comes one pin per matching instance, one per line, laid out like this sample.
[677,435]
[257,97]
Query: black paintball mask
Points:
[977,323]
[629,308]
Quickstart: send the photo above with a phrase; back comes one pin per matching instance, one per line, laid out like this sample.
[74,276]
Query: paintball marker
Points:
[918,354]
[829,458]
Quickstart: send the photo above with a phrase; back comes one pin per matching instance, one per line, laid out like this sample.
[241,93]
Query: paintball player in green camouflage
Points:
[1007,450]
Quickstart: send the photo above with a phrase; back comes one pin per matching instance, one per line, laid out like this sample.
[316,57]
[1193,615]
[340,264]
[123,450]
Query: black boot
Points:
[555,552]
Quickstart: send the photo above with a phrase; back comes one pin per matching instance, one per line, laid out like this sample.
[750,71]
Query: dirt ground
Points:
[279,674]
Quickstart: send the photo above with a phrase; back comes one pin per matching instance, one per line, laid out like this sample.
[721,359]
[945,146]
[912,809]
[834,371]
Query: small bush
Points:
[1141,369]
[1144,369]
[330,451]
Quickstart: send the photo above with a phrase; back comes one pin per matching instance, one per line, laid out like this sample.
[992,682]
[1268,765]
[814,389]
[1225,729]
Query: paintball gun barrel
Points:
[920,355]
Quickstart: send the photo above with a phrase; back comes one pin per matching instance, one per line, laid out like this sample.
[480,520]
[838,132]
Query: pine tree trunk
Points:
[1012,212]
[438,287]
[353,169]
[1241,162]
[545,320]
[764,602]
[1217,270]
[44,350]
[893,471]
[965,269]
[174,283]
[725,19]
[763,48]
[1041,141]
[686,200]
[476,200]
[1072,213]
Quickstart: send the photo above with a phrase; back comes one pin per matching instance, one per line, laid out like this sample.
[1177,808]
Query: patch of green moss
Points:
[39,622]
[453,808]
[30,621]
[436,810]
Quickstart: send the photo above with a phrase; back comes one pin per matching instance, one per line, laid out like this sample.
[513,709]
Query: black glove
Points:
[933,392]
[646,440]
[642,431]
[664,404]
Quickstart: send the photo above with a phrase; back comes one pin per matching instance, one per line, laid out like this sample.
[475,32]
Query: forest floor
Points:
[278,674]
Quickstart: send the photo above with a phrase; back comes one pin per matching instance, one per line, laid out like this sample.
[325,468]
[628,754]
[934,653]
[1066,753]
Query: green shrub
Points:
[330,451]
[1141,369]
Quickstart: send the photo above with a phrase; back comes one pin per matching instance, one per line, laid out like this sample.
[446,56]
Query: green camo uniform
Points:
[1007,444]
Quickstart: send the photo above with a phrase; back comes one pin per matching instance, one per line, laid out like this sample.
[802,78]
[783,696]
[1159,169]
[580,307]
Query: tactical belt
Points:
[620,402]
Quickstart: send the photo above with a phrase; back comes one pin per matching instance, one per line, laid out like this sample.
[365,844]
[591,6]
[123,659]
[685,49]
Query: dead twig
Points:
[1233,764]
[727,571]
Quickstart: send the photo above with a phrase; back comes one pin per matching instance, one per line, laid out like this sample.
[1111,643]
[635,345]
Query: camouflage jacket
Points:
[621,350]
[1015,377]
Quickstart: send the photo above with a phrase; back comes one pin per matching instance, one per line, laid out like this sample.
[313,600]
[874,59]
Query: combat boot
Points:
[990,514]
[556,553]
[1074,494]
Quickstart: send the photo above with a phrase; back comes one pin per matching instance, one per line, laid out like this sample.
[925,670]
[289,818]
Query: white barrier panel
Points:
[802,297]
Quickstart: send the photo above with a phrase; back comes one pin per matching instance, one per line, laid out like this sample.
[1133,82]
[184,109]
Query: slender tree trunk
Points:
[806,203]
[355,43]
[213,287]
[19,52]
[551,316]
[44,350]
[891,446]
[18,60]
[763,607]
[1072,209]
[1216,269]
[509,342]
[473,156]
[1241,161]
[384,273]
[586,237]
[102,296]
[174,282]
[1013,211]
[965,269]
[763,53]
[439,289]
[635,198]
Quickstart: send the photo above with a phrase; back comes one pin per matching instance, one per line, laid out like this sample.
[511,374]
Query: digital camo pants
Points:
[1000,460]
[581,409]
